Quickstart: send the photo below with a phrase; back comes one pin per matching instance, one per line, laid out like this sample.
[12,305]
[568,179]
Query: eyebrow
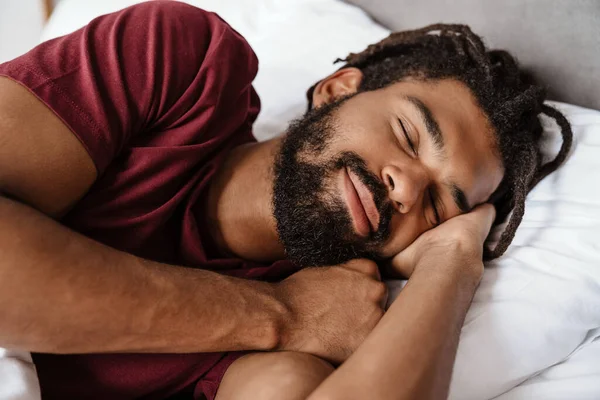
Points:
[433,128]
[434,131]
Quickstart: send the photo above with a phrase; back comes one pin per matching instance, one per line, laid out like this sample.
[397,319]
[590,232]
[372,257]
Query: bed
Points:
[533,331]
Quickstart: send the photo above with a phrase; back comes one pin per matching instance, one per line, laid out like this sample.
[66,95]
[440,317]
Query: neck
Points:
[239,207]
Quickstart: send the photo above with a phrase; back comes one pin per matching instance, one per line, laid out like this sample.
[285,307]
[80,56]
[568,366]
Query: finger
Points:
[364,266]
[484,216]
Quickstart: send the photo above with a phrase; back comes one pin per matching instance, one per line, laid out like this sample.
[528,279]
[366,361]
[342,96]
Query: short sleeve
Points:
[141,70]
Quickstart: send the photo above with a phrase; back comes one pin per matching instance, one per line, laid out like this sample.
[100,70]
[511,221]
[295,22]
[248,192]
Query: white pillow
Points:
[535,305]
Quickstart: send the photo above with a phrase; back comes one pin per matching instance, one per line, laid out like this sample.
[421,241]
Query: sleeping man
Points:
[151,248]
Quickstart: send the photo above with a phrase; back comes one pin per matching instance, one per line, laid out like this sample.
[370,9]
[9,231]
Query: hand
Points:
[457,243]
[332,309]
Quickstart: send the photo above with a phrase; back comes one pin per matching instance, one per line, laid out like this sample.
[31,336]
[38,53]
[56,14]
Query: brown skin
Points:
[410,353]
[416,339]
[57,264]
[59,289]
[368,126]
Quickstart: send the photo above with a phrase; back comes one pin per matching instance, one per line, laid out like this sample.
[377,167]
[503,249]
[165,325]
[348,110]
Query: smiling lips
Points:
[361,205]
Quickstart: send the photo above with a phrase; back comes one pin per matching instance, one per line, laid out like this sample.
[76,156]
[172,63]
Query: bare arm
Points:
[410,353]
[62,292]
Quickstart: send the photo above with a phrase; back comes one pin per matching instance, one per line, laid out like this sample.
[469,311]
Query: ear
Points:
[342,83]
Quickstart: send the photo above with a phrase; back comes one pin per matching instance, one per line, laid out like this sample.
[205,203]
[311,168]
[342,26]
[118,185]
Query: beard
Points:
[313,222]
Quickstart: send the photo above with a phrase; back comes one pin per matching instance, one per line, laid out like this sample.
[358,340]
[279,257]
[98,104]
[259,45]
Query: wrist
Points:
[247,312]
[278,316]
[266,329]
[284,317]
[452,261]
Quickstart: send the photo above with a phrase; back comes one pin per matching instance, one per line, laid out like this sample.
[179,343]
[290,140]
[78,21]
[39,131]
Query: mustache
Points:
[377,188]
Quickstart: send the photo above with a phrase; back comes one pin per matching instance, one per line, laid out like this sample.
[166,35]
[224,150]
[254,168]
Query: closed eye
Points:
[408,140]
[436,214]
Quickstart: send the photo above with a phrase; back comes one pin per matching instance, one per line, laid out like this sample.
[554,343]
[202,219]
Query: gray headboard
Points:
[559,40]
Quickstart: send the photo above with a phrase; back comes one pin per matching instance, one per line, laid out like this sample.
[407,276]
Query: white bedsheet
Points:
[530,331]
[576,378]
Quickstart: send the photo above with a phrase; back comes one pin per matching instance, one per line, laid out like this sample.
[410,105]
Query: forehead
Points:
[470,156]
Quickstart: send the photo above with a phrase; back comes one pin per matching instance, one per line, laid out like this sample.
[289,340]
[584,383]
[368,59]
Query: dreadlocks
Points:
[509,97]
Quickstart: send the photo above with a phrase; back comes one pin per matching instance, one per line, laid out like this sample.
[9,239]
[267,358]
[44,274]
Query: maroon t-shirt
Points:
[158,94]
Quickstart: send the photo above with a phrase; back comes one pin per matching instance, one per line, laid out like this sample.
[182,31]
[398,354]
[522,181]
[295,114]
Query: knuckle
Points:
[379,290]
[454,240]
[370,268]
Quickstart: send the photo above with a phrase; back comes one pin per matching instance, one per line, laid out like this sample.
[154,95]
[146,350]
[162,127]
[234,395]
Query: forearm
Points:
[62,292]
[410,353]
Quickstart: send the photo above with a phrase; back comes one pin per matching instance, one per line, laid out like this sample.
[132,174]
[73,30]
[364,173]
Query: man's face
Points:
[364,176]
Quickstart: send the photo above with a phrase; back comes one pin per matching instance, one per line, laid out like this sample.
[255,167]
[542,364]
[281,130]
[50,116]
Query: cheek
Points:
[405,229]
[371,138]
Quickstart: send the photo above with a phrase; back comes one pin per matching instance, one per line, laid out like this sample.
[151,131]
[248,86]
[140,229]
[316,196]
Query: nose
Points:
[404,186]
